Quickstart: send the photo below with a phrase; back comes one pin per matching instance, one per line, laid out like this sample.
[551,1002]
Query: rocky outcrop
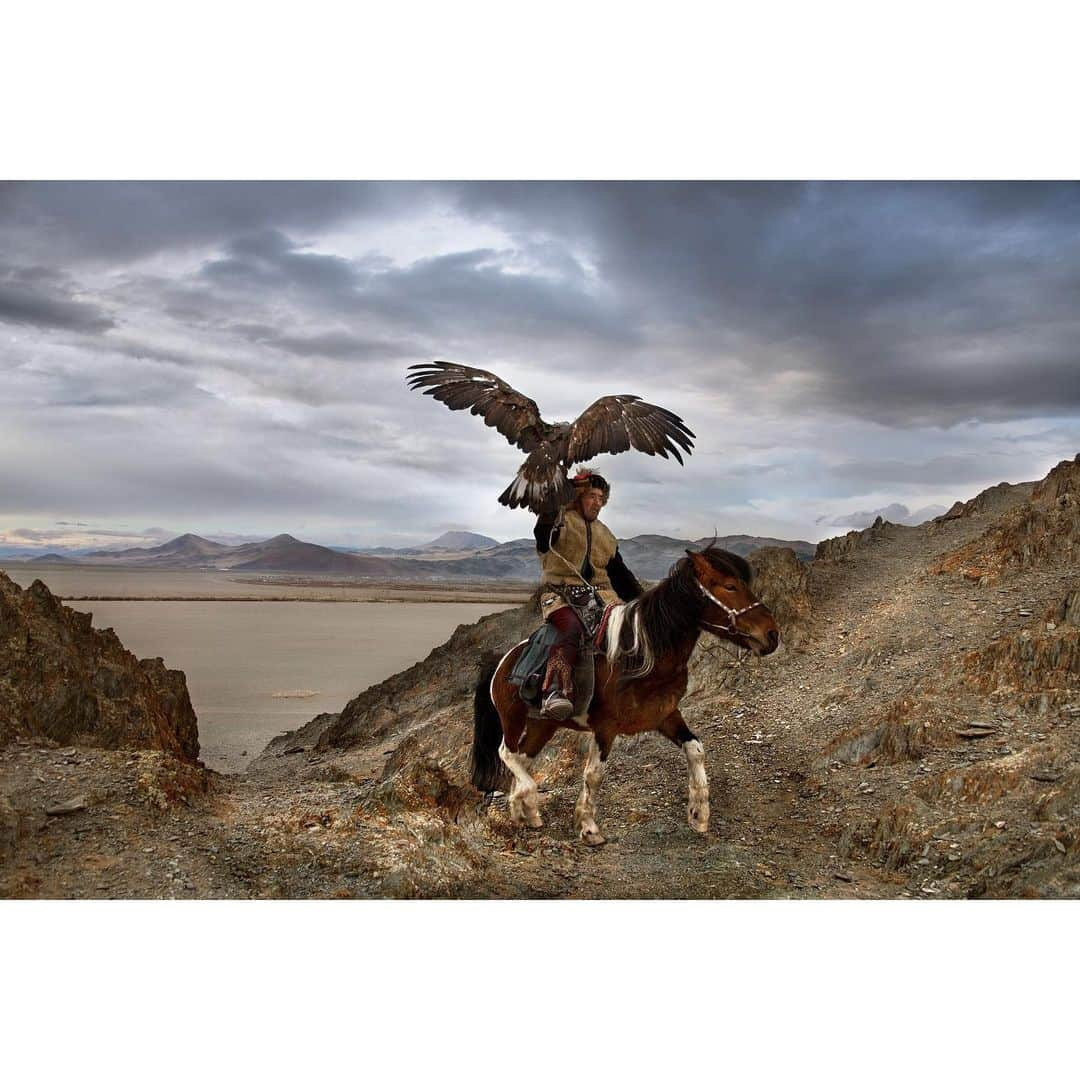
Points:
[837,547]
[1067,612]
[1062,479]
[1037,670]
[996,828]
[991,501]
[995,809]
[971,697]
[782,582]
[64,681]
[1044,530]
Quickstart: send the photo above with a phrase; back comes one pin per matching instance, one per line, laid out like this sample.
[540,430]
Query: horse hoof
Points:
[534,821]
[699,825]
[594,838]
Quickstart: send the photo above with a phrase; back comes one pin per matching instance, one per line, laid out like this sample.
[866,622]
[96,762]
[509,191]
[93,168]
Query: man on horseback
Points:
[582,573]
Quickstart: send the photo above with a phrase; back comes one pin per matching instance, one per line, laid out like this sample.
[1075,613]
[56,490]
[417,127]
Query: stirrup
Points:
[557,707]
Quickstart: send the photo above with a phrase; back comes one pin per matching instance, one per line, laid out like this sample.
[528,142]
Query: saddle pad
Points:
[535,656]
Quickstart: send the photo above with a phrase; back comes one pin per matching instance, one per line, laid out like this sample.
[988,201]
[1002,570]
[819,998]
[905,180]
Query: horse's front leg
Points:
[524,797]
[697,808]
[585,810]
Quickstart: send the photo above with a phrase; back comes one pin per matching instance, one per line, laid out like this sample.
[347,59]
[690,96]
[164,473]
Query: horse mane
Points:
[664,617]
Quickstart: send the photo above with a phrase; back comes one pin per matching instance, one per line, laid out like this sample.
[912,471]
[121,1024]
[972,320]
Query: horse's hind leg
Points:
[697,808]
[585,810]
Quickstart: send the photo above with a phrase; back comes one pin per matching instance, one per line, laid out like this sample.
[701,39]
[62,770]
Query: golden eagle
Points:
[609,425]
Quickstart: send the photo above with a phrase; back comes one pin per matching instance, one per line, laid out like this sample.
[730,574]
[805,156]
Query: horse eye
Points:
[730,588]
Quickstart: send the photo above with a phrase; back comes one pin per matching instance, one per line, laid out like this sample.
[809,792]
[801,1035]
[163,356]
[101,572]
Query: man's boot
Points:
[558,690]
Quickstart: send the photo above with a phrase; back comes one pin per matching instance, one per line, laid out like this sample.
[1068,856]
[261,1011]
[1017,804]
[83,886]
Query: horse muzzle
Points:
[762,645]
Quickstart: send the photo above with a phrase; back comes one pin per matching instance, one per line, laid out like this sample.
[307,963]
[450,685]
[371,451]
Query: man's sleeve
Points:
[622,581]
[542,532]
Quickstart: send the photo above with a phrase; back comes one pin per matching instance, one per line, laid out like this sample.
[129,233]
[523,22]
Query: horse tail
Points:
[488,771]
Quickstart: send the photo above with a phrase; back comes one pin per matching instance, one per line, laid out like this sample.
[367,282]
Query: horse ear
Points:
[702,566]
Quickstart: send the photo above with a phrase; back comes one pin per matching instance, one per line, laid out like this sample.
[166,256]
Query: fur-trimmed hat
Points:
[586,479]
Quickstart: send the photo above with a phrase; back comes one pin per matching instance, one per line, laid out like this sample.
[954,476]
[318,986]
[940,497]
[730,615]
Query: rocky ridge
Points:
[62,680]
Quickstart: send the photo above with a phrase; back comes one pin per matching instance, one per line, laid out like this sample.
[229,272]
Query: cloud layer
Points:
[229,358]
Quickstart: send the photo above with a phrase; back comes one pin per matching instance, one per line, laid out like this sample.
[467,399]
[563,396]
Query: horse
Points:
[640,678]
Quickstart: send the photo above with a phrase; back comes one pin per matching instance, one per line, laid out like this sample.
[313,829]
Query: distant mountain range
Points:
[454,556]
[448,543]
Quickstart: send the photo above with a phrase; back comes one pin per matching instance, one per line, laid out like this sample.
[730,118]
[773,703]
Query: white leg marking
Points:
[585,810]
[524,797]
[698,804]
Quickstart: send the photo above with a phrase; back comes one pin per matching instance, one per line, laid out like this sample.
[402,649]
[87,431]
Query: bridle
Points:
[732,613]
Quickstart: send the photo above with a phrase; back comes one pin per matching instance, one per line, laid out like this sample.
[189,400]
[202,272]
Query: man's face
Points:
[592,502]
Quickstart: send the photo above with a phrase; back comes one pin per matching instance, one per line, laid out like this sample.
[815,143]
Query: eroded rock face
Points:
[62,680]
[782,583]
[1062,479]
[1007,824]
[1029,671]
[1042,531]
[991,501]
[836,547]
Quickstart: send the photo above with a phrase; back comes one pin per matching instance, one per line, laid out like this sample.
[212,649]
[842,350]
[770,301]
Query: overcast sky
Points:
[229,359]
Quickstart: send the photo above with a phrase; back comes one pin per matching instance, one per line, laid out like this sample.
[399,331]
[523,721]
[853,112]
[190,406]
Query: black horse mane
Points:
[667,614]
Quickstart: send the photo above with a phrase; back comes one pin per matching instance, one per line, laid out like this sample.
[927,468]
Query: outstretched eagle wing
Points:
[513,415]
[621,422]
[541,482]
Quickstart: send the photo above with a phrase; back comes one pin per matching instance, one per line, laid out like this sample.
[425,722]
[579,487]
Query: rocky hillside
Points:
[65,681]
[1042,531]
[917,735]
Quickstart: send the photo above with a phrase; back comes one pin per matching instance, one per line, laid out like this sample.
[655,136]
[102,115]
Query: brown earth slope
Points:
[917,735]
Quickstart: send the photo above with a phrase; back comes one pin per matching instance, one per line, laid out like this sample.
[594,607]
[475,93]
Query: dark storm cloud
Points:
[904,303]
[478,290]
[38,296]
[481,291]
[269,260]
[108,221]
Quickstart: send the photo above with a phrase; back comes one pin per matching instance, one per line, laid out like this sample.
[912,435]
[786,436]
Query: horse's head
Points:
[730,610]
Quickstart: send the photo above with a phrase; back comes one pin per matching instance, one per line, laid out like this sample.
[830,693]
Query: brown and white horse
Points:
[640,679]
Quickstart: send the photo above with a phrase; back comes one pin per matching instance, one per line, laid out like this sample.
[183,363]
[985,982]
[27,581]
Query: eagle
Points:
[609,425]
